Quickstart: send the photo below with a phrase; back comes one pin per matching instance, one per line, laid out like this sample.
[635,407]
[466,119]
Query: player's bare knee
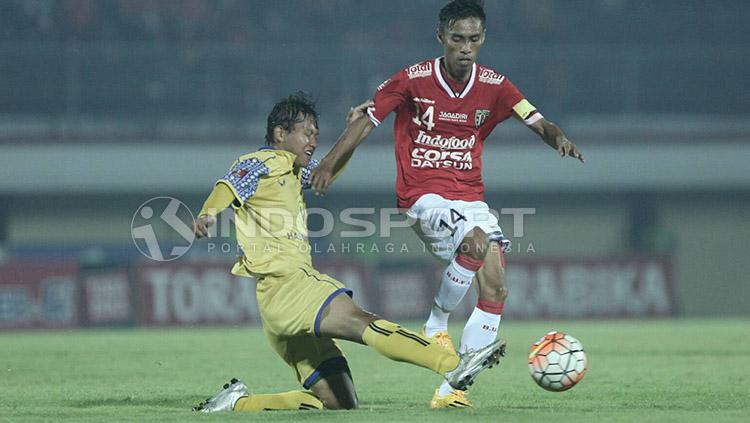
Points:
[346,401]
[336,392]
[475,244]
[329,400]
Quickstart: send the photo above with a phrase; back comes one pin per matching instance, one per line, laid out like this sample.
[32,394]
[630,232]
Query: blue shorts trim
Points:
[316,327]
[327,368]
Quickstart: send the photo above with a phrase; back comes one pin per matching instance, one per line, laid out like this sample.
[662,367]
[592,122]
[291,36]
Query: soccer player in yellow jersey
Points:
[302,310]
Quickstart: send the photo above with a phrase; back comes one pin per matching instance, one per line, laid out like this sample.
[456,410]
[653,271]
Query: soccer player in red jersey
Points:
[445,110]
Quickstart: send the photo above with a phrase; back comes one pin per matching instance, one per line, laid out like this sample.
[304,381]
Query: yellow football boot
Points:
[456,399]
[441,338]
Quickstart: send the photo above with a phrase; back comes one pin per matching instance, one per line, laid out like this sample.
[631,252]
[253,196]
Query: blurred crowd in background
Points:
[250,23]
[145,61]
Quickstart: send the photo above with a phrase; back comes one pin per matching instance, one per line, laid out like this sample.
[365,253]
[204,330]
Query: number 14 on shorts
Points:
[456,217]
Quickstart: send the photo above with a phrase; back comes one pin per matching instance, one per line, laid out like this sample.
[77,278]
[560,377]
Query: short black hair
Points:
[460,9]
[286,113]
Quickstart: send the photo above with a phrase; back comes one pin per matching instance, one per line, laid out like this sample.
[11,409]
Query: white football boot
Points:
[225,399]
[473,362]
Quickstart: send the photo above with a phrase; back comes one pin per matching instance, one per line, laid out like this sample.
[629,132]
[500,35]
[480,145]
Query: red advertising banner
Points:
[405,292]
[575,288]
[194,293]
[539,288]
[106,296]
[207,293]
[58,295]
[34,295]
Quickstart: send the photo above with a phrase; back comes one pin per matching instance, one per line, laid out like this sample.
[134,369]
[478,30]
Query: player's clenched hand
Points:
[201,225]
[358,111]
[321,177]
[567,148]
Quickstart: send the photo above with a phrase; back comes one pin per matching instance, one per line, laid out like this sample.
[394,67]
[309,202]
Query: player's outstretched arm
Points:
[358,127]
[555,138]
[219,199]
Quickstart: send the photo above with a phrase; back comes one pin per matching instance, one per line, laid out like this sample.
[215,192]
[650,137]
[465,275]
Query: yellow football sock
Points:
[401,344]
[293,400]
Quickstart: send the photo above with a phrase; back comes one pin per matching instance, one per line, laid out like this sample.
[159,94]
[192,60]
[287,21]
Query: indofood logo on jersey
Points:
[434,159]
[419,70]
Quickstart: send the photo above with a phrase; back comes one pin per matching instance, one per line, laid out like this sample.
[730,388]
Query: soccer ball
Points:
[557,362]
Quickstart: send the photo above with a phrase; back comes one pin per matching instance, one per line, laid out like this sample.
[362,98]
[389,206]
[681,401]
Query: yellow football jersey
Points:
[270,212]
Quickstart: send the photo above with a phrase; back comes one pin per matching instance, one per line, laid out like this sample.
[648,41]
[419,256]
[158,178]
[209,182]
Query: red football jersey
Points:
[440,132]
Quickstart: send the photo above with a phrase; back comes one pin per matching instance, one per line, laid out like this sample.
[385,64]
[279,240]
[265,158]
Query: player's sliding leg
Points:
[235,396]
[454,284]
[343,319]
[333,392]
[292,400]
[330,385]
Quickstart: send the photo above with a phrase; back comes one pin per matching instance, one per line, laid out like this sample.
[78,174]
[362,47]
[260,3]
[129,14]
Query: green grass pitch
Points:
[662,370]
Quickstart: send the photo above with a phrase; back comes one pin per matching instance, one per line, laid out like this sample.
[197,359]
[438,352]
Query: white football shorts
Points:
[442,224]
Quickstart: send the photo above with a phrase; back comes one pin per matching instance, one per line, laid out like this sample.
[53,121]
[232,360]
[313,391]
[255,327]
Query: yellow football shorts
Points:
[291,307]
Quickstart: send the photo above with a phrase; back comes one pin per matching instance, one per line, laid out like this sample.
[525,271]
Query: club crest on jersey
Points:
[480,116]
[420,70]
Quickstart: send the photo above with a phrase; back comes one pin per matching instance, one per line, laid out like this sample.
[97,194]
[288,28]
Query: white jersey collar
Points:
[447,87]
